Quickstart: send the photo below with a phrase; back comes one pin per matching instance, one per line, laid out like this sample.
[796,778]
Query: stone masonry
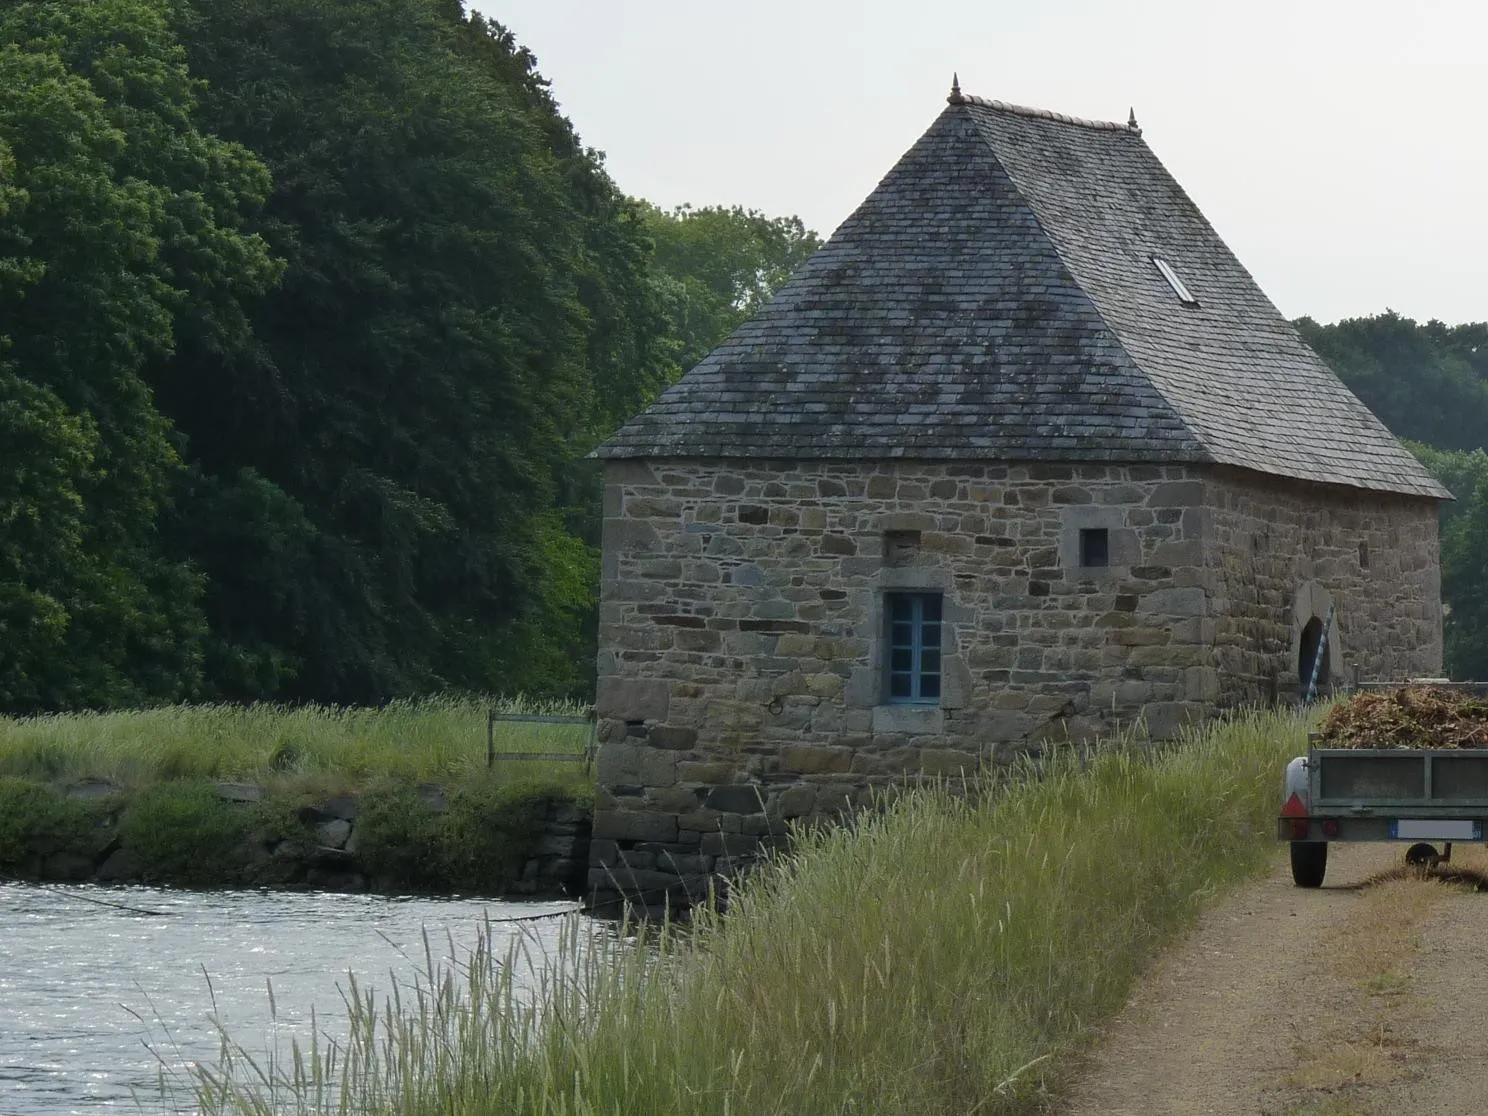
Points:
[1281,552]
[741,677]
[1021,456]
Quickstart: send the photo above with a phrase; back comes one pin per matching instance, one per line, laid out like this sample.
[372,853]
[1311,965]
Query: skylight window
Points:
[1185,296]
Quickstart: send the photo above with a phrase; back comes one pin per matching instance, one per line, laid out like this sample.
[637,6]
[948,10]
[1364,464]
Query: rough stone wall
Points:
[742,633]
[1281,552]
[742,674]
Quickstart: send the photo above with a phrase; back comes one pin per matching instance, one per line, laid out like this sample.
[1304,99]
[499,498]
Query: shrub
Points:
[482,837]
[487,832]
[397,837]
[183,832]
[37,821]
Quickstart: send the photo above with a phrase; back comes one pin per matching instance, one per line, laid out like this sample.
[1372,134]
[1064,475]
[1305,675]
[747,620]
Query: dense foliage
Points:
[1464,558]
[718,266]
[119,221]
[379,458]
[1428,382]
[309,312]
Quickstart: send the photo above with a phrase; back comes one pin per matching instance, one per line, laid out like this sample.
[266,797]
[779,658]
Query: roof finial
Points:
[1131,122]
[956,97]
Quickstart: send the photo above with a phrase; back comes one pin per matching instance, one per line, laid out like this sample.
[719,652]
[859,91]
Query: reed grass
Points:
[947,954]
[333,747]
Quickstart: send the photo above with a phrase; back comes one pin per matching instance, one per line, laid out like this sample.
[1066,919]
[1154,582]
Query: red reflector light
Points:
[1299,829]
[1293,807]
[1330,827]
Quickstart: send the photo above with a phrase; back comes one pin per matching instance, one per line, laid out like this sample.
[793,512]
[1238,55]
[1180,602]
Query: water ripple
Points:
[95,1001]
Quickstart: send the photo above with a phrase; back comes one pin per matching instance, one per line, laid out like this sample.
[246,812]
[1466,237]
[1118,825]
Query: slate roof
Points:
[995,299]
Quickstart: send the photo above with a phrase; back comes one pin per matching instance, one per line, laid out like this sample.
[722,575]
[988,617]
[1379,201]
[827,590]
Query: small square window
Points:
[913,637]
[1095,546]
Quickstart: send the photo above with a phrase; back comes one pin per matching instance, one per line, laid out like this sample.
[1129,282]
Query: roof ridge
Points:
[1046,114]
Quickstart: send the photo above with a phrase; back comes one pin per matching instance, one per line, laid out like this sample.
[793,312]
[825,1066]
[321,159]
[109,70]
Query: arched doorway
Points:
[1309,606]
[1308,649]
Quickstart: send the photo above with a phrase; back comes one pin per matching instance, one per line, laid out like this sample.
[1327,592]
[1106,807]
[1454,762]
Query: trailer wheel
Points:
[1309,863]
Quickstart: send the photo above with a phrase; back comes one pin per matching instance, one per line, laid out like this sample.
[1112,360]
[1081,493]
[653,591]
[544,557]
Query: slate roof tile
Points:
[995,298]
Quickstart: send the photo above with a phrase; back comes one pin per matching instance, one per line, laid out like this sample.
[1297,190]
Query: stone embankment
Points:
[423,839]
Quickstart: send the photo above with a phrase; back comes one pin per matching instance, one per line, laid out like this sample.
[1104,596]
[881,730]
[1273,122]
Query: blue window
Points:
[914,647]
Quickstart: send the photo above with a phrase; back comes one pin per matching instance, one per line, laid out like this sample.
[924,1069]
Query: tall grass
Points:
[947,955]
[429,739]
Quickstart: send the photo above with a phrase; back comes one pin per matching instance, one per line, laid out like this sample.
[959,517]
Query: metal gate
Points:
[586,757]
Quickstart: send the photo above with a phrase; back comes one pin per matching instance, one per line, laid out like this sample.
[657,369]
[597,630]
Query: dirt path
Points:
[1345,1001]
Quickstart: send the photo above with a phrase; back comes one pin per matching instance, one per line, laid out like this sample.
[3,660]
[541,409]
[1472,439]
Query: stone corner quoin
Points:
[745,645]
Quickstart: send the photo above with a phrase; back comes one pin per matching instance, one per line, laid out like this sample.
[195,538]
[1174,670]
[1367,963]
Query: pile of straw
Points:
[1416,716]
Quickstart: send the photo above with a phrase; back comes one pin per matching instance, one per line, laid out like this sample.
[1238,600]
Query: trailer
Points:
[1422,797]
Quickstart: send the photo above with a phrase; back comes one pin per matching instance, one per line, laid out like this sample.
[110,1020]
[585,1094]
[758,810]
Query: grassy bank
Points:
[943,957]
[426,740]
[395,798]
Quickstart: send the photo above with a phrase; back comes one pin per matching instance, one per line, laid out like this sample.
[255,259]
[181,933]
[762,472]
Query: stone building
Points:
[1021,455]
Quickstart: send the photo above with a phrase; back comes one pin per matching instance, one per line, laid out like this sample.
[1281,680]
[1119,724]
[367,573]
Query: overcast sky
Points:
[1339,147]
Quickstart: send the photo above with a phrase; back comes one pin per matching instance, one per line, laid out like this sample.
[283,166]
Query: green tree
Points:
[719,265]
[631,348]
[1464,557]
[1465,588]
[46,456]
[466,304]
[1427,382]
[118,220]
[1461,471]
[659,290]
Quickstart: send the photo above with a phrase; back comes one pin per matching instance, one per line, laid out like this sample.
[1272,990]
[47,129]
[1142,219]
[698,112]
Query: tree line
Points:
[309,311]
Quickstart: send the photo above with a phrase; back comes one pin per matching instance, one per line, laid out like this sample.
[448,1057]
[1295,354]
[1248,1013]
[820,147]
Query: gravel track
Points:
[1355,999]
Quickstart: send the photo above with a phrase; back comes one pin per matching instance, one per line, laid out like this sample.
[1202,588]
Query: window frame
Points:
[926,611]
[1180,288]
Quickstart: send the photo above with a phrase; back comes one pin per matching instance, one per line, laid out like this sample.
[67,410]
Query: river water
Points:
[96,1000]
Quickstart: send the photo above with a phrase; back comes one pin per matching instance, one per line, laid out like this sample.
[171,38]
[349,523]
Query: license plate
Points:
[1424,829]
